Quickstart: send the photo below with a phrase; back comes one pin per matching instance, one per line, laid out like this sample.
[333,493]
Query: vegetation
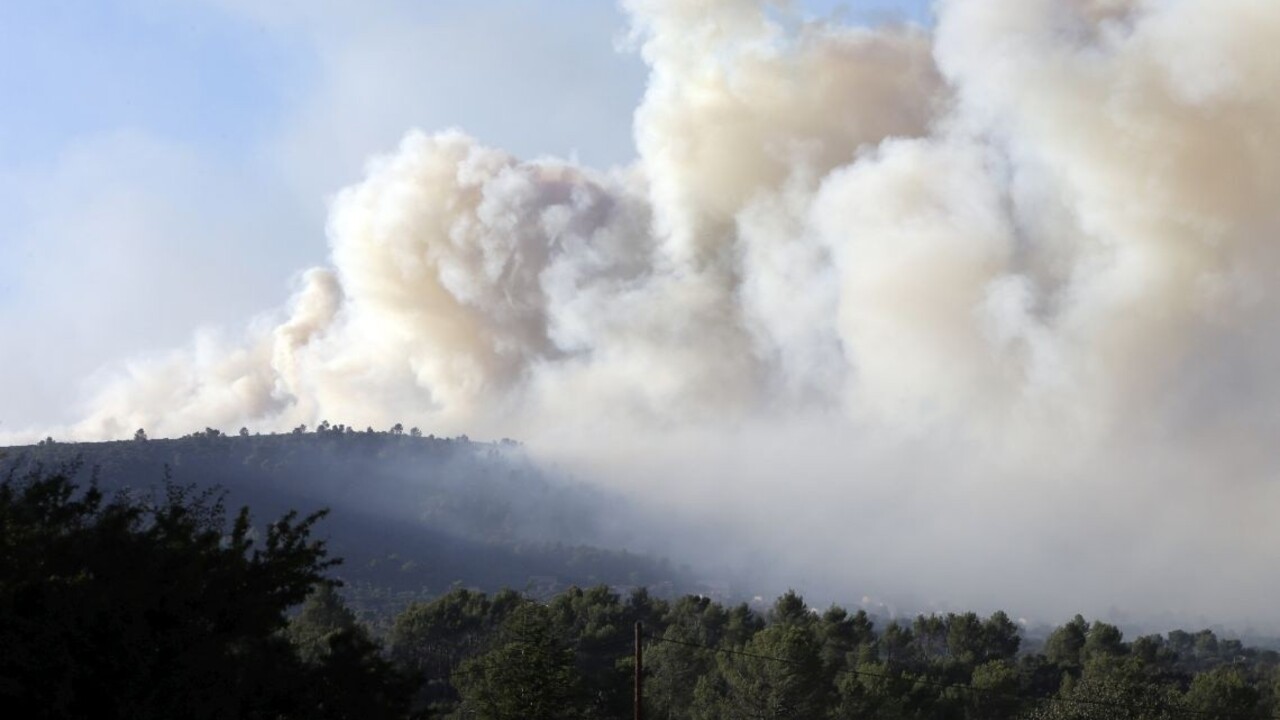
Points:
[130,607]
[507,656]
[416,516]
[159,604]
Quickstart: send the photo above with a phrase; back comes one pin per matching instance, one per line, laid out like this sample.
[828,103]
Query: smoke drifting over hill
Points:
[981,311]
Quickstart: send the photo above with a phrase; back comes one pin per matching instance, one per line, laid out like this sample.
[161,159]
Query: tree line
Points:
[412,515]
[166,605]
[504,655]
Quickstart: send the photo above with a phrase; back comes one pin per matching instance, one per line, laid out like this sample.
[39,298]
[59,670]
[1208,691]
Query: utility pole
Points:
[639,712]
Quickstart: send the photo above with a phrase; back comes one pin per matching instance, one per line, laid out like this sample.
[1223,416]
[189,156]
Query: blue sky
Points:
[200,73]
[76,67]
[164,164]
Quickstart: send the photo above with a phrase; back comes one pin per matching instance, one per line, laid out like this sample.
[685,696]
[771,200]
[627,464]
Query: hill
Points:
[413,516]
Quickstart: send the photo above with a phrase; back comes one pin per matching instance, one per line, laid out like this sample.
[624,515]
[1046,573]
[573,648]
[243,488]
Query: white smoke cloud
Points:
[978,313]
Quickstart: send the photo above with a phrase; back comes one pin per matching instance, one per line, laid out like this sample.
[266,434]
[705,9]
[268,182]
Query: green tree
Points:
[844,639]
[1001,638]
[1104,640]
[781,678]
[130,607]
[429,640]
[930,634]
[1112,689]
[600,628]
[997,691]
[1065,645]
[778,674]
[675,668]
[1224,691]
[353,681]
[895,644]
[322,617]
[530,675]
[1152,652]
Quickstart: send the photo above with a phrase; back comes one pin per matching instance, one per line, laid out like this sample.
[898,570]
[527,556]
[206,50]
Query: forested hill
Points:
[411,515]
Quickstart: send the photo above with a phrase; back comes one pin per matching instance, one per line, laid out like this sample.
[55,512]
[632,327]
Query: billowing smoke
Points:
[978,314]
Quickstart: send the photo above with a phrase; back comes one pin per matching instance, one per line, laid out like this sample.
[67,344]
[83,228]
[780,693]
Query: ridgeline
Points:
[412,516]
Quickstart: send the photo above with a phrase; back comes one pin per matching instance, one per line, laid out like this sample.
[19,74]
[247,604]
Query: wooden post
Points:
[639,682]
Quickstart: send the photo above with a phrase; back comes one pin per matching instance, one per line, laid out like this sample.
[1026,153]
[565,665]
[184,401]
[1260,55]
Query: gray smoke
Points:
[978,314]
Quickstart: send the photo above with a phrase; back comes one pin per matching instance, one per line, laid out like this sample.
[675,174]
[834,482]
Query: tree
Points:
[354,681]
[1065,645]
[1152,651]
[997,697]
[1223,690]
[529,676]
[932,634]
[1109,689]
[779,674]
[244,432]
[1104,640]
[131,607]
[672,666]
[350,679]
[895,643]
[430,639]
[999,639]
[140,435]
[780,678]
[844,638]
[415,432]
[397,429]
[323,617]
[789,609]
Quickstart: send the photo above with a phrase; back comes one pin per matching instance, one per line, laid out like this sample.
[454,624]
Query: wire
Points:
[972,688]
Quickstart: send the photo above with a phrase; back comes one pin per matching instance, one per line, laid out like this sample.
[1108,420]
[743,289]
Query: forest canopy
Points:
[125,604]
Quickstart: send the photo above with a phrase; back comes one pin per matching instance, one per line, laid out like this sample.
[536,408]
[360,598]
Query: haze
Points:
[972,311]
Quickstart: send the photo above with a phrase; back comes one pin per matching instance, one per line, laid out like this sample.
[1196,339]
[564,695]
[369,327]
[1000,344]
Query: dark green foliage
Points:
[1225,690]
[430,640]
[140,605]
[1065,645]
[130,607]
[1110,689]
[704,661]
[529,675]
[323,617]
[767,688]
[674,669]
[352,681]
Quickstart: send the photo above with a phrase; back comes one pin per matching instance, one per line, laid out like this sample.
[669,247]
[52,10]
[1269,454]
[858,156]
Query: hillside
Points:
[411,516]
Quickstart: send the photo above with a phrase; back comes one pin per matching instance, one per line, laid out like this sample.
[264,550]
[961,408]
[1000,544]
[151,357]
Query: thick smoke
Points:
[978,314]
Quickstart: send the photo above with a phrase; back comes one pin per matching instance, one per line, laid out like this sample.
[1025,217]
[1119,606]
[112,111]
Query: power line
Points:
[972,688]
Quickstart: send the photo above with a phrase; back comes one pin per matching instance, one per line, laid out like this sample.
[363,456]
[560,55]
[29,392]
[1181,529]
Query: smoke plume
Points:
[972,314]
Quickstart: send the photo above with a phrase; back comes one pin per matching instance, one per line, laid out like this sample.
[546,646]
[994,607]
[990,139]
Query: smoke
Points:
[982,314]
